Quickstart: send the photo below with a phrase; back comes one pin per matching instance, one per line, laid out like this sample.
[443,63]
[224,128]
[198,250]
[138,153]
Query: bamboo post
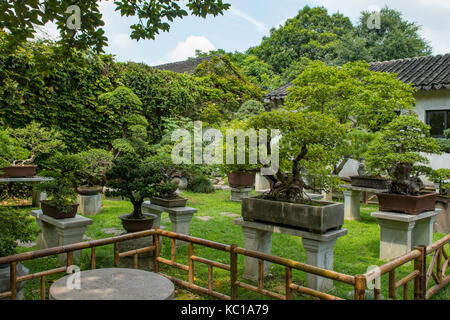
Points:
[439,265]
[116,254]
[191,262]
[210,278]
[233,272]
[69,258]
[156,252]
[420,264]
[135,261]
[93,258]
[43,288]
[260,274]
[173,249]
[360,287]
[288,283]
[392,294]
[406,291]
[13,278]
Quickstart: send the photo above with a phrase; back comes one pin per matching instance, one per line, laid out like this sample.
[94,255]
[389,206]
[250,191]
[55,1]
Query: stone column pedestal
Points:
[401,233]
[319,249]
[256,240]
[180,218]
[442,223]
[37,197]
[90,205]
[237,194]
[261,183]
[60,232]
[352,205]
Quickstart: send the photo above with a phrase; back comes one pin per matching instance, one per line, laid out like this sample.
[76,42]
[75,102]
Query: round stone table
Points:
[114,284]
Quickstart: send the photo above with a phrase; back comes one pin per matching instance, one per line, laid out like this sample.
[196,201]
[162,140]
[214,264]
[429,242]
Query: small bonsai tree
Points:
[307,151]
[15,225]
[133,178]
[168,171]
[442,178]
[37,140]
[397,152]
[132,122]
[65,171]
[97,163]
[10,150]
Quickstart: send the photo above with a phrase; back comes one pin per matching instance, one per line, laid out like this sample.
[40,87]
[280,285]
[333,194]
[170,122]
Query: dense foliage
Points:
[15,225]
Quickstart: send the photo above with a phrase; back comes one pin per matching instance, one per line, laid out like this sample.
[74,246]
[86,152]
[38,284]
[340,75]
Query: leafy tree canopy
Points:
[19,19]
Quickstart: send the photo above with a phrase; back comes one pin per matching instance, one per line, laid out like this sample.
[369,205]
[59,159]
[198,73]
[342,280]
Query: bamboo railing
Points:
[420,276]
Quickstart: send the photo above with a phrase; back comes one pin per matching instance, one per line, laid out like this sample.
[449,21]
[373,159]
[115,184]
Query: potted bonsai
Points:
[15,225]
[166,192]
[11,152]
[396,152]
[307,152]
[65,170]
[134,179]
[92,177]
[37,142]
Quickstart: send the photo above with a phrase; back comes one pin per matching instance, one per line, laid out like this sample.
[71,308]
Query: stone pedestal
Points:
[237,194]
[352,200]
[90,205]
[400,233]
[261,183]
[38,196]
[442,223]
[5,280]
[319,250]
[179,217]
[55,233]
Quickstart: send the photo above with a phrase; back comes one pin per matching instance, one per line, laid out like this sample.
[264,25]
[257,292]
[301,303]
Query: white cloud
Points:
[259,26]
[122,40]
[186,49]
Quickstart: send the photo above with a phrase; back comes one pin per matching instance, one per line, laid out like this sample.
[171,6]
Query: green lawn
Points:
[353,253]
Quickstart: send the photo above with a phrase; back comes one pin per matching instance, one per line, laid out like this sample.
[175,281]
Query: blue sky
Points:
[249,20]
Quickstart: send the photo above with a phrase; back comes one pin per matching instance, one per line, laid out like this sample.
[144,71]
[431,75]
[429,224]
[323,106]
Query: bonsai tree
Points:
[365,100]
[133,178]
[65,171]
[167,170]
[15,225]
[97,162]
[37,140]
[397,152]
[441,177]
[11,150]
[307,151]
[132,122]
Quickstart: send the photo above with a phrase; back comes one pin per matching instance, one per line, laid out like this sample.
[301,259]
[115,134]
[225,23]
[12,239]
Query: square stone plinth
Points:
[237,194]
[179,217]
[90,205]
[352,200]
[400,233]
[318,247]
[60,232]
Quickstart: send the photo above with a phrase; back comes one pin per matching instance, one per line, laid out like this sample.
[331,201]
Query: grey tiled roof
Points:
[183,66]
[424,73]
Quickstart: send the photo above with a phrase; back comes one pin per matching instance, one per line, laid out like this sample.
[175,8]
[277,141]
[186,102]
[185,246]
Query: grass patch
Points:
[353,253]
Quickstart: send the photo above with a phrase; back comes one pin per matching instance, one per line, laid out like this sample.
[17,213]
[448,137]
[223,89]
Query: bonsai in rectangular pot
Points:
[397,152]
[20,148]
[307,153]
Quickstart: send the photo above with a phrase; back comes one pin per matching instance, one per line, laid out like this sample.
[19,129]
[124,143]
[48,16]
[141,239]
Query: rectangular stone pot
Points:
[316,219]
[406,203]
[18,172]
[369,182]
[169,203]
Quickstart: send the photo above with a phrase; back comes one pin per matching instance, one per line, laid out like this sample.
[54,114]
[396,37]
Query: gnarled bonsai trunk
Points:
[402,182]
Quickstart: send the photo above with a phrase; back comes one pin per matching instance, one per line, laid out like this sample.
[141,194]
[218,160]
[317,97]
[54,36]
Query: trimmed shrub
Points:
[200,185]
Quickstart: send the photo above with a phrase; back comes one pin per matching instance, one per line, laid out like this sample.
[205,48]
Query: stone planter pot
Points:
[18,172]
[241,179]
[442,223]
[52,211]
[408,204]
[316,219]
[169,203]
[5,278]
[369,182]
[89,191]
[135,225]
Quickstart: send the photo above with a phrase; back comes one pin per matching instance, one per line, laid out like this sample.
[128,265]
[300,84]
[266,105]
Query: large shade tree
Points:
[21,19]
